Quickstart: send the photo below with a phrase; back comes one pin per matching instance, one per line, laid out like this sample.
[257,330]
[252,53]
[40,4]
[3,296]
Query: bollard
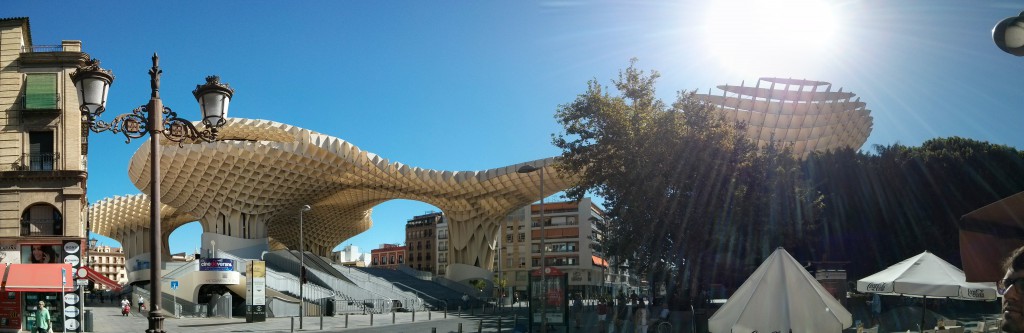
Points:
[480,326]
[433,330]
[460,327]
[293,325]
[428,314]
[393,315]
[371,319]
[86,321]
[321,321]
[460,310]
[446,312]
[346,320]
[499,324]
[414,316]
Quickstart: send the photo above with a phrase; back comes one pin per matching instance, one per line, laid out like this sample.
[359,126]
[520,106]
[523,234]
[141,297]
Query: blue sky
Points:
[473,85]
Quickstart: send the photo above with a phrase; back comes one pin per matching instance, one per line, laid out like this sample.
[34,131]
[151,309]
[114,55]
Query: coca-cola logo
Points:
[976,293]
[880,286]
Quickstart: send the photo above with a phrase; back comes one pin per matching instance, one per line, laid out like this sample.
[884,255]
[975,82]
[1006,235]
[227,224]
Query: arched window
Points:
[42,220]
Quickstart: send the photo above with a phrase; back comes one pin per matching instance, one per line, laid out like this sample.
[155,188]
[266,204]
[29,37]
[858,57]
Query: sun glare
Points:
[754,37]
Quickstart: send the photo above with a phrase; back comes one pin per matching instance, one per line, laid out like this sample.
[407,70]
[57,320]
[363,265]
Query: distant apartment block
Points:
[388,256]
[420,241]
[350,256]
[108,261]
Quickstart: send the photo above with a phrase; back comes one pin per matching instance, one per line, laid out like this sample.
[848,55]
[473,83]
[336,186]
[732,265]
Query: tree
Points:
[684,190]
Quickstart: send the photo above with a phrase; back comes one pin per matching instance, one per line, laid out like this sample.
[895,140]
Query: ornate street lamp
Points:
[1009,35]
[543,238]
[93,83]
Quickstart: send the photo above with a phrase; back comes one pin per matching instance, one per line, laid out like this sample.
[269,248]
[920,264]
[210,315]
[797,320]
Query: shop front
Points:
[25,285]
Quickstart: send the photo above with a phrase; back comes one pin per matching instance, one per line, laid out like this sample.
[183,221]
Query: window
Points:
[522,236]
[40,151]
[400,259]
[41,91]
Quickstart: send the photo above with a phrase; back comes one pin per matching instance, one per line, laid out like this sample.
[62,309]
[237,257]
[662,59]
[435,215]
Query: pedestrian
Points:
[1010,286]
[142,303]
[621,312]
[42,319]
[602,315]
[125,306]
[577,309]
[640,315]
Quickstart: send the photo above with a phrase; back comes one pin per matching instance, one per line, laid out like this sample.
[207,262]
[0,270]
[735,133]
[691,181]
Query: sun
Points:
[755,37]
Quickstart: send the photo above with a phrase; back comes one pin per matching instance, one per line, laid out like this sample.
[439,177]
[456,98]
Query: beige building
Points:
[42,173]
[572,244]
[108,261]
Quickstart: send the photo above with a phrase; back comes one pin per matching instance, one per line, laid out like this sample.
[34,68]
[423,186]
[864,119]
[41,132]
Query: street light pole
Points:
[302,266]
[543,260]
[92,84]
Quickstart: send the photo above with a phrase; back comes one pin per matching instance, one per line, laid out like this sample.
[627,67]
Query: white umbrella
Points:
[926,275]
[780,297]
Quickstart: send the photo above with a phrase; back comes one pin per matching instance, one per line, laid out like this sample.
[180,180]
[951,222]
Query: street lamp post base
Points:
[156,322]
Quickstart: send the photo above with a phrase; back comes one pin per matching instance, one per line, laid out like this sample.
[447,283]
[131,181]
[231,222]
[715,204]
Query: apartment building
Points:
[420,241]
[350,256]
[388,256]
[109,262]
[572,244]
[42,173]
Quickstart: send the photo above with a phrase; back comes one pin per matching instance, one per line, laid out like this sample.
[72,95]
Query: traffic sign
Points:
[174,284]
[81,282]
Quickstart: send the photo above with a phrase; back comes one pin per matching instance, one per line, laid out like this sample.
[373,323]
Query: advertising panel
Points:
[256,290]
[41,253]
[216,264]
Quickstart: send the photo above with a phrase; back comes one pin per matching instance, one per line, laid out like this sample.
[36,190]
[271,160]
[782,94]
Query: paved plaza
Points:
[107,318]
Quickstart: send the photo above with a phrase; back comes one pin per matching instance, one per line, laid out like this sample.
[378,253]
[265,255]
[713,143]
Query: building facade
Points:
[42,171]
[388,256]
[442,246]
[420,241]
[350,256]
[572,244]
[108,261]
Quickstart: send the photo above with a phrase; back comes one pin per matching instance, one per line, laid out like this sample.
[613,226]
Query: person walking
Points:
[641,316]
[602,315]
[42,319]
[142,303]
[577,309]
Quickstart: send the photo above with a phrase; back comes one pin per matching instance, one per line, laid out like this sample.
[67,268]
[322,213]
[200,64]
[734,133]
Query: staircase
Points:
[438,294]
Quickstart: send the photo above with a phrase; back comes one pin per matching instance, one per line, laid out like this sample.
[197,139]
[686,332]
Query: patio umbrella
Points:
[988,235]
[926,275]
[780,296]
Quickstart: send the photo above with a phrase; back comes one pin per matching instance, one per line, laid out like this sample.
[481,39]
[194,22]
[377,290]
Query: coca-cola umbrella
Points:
[926,275]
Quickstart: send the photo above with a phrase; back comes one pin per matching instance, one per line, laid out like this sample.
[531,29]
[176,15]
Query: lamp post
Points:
[543,261]
[302,266]
[1008,35]
[93,84]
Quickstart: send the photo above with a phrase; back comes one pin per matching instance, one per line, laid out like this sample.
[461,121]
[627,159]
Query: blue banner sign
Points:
[216,264]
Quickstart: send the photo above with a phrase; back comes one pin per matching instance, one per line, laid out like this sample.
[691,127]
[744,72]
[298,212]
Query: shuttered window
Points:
[41,91]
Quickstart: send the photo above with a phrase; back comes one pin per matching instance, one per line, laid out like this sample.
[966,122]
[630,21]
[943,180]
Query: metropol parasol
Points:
[249,185]
[247,188]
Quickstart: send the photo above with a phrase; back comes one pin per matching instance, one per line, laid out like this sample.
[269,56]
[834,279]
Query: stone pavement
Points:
[107,318]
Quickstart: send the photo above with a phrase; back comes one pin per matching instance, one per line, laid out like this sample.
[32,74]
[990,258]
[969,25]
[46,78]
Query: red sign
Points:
[549,271]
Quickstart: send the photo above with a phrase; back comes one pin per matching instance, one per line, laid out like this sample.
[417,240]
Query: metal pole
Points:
[302,269]
[155,112]
[543,262]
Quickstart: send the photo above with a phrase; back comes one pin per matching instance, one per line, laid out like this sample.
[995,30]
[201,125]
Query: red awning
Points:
[38,278]
[101,279]
[598,261]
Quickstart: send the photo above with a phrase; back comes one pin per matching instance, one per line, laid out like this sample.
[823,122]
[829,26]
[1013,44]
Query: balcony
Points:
[39,162]
[41,227]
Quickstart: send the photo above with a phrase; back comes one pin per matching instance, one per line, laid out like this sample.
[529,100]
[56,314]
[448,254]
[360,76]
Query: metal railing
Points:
[37,162]
[42,48]
[41,227]
[377,284]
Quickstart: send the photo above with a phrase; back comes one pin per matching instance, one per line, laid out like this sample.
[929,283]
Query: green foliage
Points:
[681,184]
